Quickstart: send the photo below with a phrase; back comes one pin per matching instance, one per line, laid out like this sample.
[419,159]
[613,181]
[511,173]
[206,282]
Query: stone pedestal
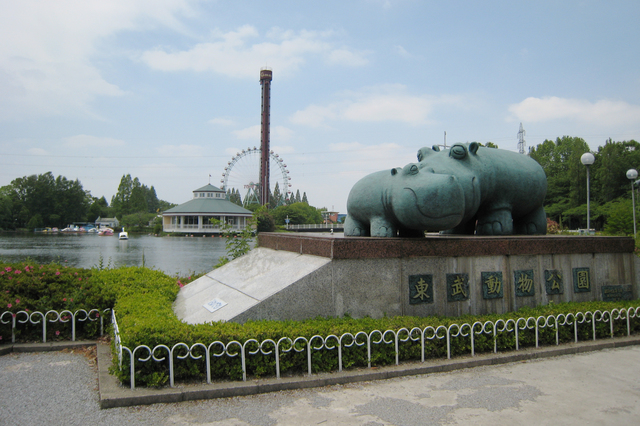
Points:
[298,276]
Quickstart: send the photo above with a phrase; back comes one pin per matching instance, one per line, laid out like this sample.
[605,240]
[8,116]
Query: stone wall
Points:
[299,276]
[451,276]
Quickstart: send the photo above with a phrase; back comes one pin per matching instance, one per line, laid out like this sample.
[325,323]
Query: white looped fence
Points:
[37,317]
[284,345]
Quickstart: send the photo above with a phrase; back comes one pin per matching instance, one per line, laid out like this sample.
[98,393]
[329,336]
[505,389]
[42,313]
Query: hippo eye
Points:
[413,169]
[458,152]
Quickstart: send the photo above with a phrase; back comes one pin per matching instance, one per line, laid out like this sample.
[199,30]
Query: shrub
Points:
[142,299]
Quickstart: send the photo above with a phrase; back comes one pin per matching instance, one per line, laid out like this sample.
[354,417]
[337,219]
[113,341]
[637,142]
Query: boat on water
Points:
[123,235]
[105,232]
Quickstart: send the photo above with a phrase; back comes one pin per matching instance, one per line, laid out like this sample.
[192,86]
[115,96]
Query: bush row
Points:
[142,299]
[157,324]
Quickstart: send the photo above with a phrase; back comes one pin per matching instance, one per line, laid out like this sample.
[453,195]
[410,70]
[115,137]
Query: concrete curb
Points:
[45,347]
[112,394]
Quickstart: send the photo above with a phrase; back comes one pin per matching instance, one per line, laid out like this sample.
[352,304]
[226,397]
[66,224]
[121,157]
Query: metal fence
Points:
[336,226]
[23,317]
[272,348]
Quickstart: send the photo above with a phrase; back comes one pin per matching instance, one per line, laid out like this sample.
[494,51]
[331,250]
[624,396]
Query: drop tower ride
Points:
[265,82]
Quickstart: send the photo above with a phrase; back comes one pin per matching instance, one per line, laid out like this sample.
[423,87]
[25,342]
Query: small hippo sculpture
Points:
[463,190]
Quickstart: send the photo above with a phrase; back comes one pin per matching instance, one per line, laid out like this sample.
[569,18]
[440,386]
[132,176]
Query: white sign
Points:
[214,305]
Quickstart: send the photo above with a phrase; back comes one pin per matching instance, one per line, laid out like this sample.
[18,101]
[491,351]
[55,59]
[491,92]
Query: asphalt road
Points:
[595,388]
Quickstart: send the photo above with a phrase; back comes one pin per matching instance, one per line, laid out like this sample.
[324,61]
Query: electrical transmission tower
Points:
[521,143]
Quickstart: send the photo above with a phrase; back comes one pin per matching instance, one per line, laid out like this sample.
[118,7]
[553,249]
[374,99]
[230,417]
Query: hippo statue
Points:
[466,189]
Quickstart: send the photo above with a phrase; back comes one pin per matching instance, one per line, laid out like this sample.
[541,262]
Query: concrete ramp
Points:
[263,284]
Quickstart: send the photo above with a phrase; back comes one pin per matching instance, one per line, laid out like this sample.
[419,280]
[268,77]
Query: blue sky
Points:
[169,91]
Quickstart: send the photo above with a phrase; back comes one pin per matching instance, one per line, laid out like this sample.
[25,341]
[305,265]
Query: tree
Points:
[138,201]
[619,218]
[120,201]
[44,200]
[566,176]
[298,213]
[277,198]
[137,221]
[488,145]
[304,198]
[238,243]
[264,219]
[6,209]
[98,208]
[610,168]
[134,197]
[298,199]
[233,195]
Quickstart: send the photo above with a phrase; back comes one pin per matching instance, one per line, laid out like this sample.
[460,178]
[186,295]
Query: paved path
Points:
[58,388]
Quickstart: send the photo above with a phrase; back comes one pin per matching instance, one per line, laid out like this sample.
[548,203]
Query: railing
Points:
[205,227]
[269,347]
[317,226]
[81,315]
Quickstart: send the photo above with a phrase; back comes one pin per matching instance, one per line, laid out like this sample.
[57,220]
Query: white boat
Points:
[123,235]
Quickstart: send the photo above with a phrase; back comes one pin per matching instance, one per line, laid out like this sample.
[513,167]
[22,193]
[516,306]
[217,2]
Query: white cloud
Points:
[382,103]
[240,53]
[45,59]
[315,115]
[252,132]
[603,112]
[402,51]
[348,58]
[88,141]
[281,133]
[390,107]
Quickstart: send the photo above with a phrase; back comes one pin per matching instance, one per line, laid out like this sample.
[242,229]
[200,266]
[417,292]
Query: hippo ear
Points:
[473,147]
[458,151]
[424,153]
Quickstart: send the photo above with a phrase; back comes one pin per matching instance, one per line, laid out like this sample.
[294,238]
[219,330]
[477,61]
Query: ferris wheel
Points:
[242,173]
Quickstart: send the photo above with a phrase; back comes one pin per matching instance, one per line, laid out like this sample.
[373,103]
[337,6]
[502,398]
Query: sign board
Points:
[214,305]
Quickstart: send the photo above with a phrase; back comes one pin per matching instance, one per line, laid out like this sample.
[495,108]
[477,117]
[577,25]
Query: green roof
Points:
[208,188]
[209,206]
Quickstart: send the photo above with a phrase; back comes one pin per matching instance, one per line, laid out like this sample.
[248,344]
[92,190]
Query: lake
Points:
[173,255]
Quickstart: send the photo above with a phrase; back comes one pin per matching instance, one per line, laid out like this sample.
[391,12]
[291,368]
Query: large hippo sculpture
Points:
[463,190]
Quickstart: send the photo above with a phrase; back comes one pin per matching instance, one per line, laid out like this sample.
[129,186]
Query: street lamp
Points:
[631,175]
[587,159]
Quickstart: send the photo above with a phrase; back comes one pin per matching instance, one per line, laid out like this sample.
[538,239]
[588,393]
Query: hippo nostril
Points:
[393,172]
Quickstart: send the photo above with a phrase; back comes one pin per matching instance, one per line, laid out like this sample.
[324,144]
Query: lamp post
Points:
[632,174]
[587,159]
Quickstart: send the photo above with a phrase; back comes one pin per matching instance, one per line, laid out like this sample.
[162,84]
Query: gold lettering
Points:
[457,287]
[583,279]
[493,284]
[421,288]
[525,284]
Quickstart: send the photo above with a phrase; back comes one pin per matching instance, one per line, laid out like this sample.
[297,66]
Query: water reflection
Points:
[173,255]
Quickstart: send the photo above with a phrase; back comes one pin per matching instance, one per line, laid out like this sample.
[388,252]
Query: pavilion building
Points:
[194,216]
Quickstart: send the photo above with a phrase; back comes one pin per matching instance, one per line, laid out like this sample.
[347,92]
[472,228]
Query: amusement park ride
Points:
[250,170]
[242,173]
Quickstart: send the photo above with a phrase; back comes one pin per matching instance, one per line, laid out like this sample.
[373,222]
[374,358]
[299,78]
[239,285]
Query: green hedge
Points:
[145,317]
[142,299]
